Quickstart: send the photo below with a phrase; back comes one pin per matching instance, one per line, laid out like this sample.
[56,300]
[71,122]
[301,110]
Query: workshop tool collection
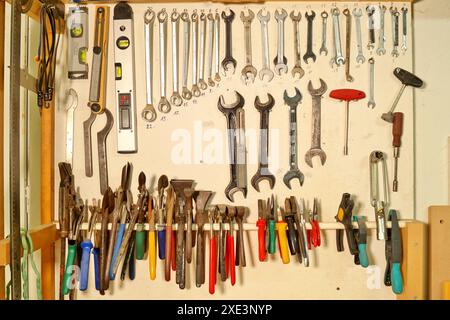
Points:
[166,224]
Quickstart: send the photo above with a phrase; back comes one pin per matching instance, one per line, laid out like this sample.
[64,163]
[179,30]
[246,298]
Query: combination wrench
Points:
[395,36]
[371,103]
[211,27]
[339,59]
[309,51]
[405,29]
[249,72]
[280,60]
[370,14]
[348,42]
[201,60]
[297,69]
[149,112]
[357,14]
[228,63]
[216,46]
[382,39]
[265,70]
[195,89]
[323,48]
[186,93]
[164,105]
[175,99]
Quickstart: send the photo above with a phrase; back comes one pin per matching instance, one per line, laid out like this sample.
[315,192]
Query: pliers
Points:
[300,222]
[361,239]
[393,250]
[87,246]
[344,216]
[314,233]
[271,225]
[289,218]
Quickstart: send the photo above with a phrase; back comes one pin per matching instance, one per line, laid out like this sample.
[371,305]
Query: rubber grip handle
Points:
[227,256]
[212,265]
[200,261]
[308,238]
[72,251]
[140,244]
[261,224]
[132,263]
[85,257]
[387,273]
[351,240]
[397,129]
[363,258]
[282,240]
[272,236]
[396,278]
[96,253]
[292,234]
[230,243]
[112,275]
[162,244]
[152,254]
[167,261]
[174,251]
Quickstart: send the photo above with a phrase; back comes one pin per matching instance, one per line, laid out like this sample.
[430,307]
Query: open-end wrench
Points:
[201,59]
[186,93]
[249,72]
[348,43]
[357,14]
[195,89]
[294,171]
[370,14]
[102,155]
[216,46]
[149,112]
[163,105]
[340,60]
[309,51]
[323,48]
[265,70]
[263,172]
[316,149]
[70,110]
[280,60]
[371,103]
[175,99]
[395,30]
[211,27]
[231,113]
[228,63]
[297,69]
[405,29]
[381,38]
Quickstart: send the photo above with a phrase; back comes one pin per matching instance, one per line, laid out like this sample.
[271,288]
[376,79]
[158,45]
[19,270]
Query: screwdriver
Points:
[397,132]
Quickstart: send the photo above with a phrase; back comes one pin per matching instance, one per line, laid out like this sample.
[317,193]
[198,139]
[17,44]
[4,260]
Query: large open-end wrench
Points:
[263,172]
[348,43]
[195,89]
[395,31]
[211,27]
[163,105]
[175,99]
[228,63]
[249,72]
[149,112]
[371,16]
[201,58]
[405,29]
[234,125]
[297,69]
[265,71]
[309,51]
[381,38]
[323,48]
[280,60]
[316,149]
[186,93]
[294,171]
[340,60]
[357,14]
[216,47]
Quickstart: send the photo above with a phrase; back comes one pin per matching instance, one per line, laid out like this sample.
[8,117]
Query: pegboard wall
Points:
[191,143]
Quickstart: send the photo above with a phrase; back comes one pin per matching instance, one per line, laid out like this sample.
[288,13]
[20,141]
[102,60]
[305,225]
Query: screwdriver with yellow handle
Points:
[151,240]
[282,237]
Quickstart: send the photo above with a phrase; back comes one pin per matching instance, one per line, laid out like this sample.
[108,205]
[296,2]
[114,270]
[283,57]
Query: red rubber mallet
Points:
[347,95]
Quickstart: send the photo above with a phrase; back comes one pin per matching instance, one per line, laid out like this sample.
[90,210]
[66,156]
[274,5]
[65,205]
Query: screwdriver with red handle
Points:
[397,132]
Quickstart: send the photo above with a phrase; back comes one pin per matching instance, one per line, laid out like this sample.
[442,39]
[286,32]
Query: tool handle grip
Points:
[86,246]
[397,129]
[227,256]
[67,282]
[230,240]
[387,273]
[315,234]
[152,254]
[351,240]
[222,263]
[272,236]
[282,240]
[140,242]
[162,244]
[200,261]
[167,261]
[188,243]
[363,258]
[212,265]
[261,224]
[174,251]
[112,274]
[96,253]
[132,263]
[295,248]
[396,278]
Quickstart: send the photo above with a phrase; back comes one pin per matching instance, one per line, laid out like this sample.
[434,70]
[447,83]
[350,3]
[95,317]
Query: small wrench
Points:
[201,81]
[309,51]
[381,49]
[371,103]
[348,42]
[149,112]
[186,93]
[175,99]
[297,69]
[211,27]
[323,48]
[340,60]
[357,13]
[280,60]
[405,29]
[265,70]
[164,105]
[249,72]
[195,89]
[395,37]
[216,46]
[228,63]
[371,12]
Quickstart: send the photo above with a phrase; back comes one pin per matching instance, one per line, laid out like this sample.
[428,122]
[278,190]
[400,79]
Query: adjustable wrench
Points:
[216,46]
[163,105]
[405,29]
[395,30]
[293,172]
[357,13]
[175,99]
[149,112]
[309,51]
[340,60]
[211,27]
[265,70]
[280,60]
[195,89]
[297,69]
[201,81]
[316,149]
[348,42]
[371,103]
[263,172]
[186,94]
[249,71]
[370,13]
[323,48]
[70,110]
[381,49]
[228,63]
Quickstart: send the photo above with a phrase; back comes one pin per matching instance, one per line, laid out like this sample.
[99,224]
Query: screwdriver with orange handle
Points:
[282,237]
[397,132]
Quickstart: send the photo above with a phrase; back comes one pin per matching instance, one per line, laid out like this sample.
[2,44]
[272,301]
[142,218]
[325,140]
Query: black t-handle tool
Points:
[407,79]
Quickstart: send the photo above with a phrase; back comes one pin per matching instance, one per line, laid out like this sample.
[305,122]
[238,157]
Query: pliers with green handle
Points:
[271,223]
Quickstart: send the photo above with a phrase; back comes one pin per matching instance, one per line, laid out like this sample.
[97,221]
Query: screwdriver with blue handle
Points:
[393,273]
[87,246]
